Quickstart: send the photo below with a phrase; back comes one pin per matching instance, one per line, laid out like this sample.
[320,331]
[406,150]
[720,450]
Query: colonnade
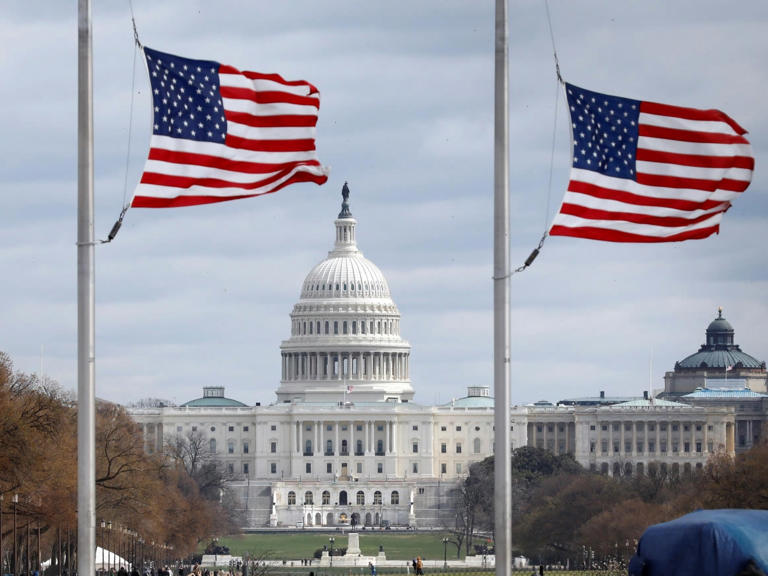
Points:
[345,366]
[369,435]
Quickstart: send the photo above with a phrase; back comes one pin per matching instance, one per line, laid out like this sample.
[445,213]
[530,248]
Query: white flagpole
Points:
[86,289]
[501,322]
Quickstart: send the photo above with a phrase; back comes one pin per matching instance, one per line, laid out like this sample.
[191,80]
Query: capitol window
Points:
[326,326]
[335,326]
[394,498]
[291,498]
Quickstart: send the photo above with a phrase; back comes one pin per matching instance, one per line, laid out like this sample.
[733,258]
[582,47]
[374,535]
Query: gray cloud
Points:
[193,296]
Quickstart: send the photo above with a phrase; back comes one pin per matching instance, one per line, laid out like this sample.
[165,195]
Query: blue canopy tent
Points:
[705,543]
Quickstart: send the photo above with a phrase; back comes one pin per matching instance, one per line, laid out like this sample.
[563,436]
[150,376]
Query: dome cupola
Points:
[720,332]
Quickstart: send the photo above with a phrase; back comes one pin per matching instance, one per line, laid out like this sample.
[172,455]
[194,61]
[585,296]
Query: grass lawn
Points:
[298,545]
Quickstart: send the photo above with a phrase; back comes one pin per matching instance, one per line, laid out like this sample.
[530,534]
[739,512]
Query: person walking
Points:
[372,568]
[419,566]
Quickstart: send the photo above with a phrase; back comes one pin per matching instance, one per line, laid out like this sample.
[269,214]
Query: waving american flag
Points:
[648,172]
[222,134]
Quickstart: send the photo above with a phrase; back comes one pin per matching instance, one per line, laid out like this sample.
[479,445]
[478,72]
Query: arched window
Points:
[344,327]
[335,326]
[360,498]
[308,497]
[344,449]
[212,445]
[326,497]
[395,498]
[358,447]
[291,498]
[310,327]
[329,447]
[326,326]
[379,447]
[377,497]
[476,446]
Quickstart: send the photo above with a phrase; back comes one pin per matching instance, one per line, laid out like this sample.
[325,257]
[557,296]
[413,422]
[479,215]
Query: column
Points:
[388,446]
[318,439]
[705,427]
[336,446]
[622,436]
[367,440]
[351,438]
[394,437]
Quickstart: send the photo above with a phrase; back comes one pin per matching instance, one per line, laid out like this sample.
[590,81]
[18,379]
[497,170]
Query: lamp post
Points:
[102,526]
[109,551]
[1,534]
[445,551]
[331,540]
[15,501]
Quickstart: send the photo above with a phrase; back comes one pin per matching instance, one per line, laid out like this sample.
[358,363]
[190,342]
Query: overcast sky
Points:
[190,297]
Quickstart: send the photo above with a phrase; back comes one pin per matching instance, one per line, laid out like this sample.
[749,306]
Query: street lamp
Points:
[445,551]
[331,540]
[1,534]
[15,501]
[109,553]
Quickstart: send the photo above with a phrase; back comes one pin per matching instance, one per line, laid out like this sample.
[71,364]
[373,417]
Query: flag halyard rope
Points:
[116,226]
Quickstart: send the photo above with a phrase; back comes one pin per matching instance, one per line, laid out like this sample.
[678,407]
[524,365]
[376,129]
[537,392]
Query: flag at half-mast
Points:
[648,172]
[222,134]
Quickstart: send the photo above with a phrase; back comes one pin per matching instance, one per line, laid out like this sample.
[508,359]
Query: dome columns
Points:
[352,366]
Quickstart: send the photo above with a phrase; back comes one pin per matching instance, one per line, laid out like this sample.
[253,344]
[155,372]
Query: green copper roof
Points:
[720,351]
[649,403]
[718,393]
[213,402]
[472,402]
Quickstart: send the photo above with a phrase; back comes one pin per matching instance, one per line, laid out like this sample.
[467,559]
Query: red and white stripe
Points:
[690,166]
[270,144]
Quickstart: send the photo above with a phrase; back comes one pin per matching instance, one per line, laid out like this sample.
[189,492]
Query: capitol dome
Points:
[345,343]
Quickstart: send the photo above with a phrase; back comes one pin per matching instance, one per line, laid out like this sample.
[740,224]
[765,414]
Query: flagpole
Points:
[86,289]
[502,491]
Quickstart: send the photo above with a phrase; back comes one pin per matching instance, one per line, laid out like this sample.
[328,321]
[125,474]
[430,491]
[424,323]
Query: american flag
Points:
[221,134]
[648,172]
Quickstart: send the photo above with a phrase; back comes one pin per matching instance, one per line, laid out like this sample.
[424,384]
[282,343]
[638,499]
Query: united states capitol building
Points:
[345,444]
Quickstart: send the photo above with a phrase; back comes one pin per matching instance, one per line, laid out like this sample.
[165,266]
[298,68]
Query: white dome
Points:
[345,330]
[348,275]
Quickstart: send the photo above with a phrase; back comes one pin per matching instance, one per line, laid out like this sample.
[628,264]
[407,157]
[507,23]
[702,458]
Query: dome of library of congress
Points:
[345,343]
